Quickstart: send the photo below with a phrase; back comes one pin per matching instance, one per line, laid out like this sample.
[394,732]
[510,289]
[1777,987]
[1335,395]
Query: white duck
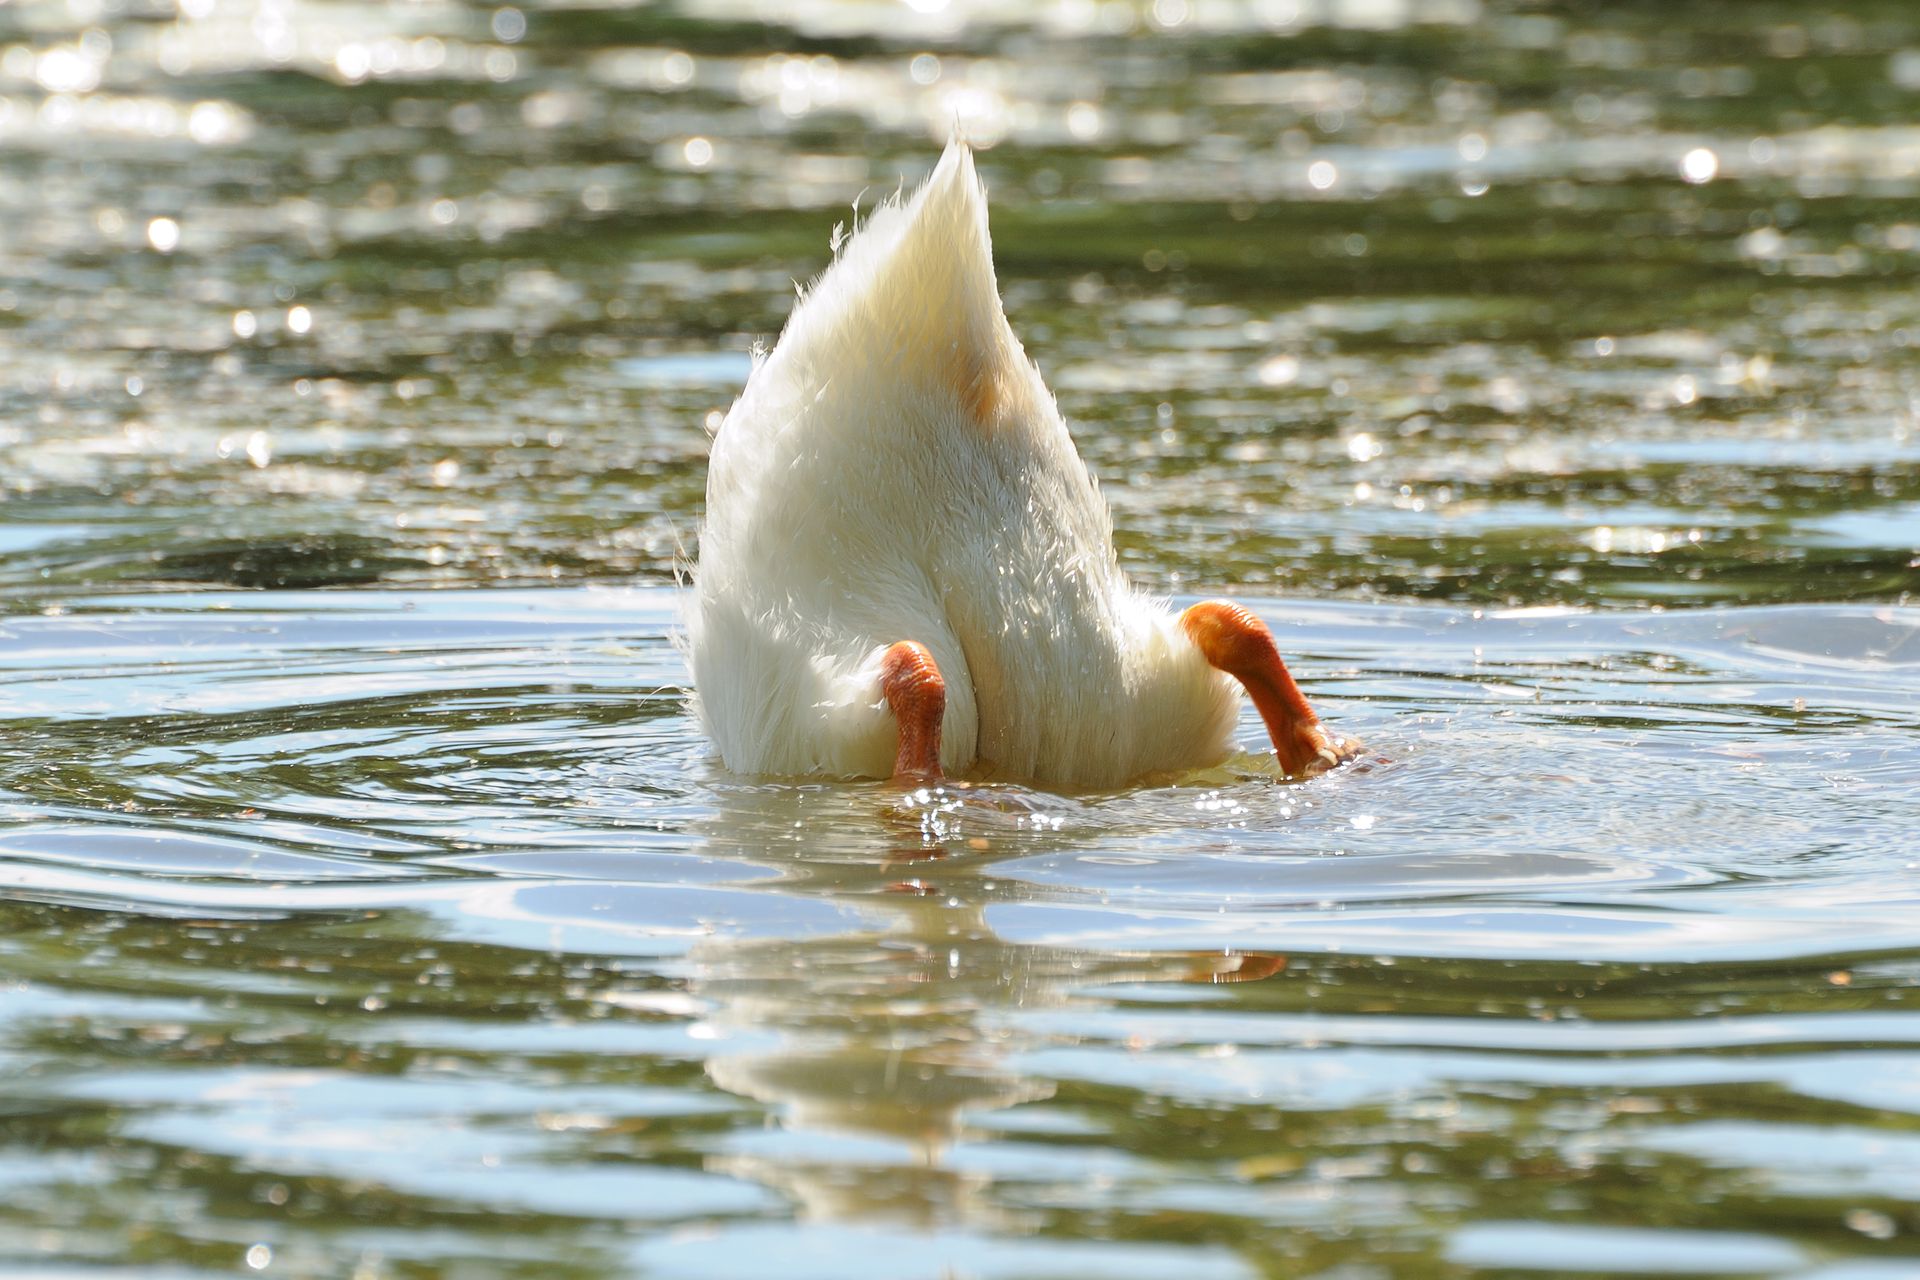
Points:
[906,570]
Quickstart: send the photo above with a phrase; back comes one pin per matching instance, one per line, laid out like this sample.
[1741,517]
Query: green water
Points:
[369,905]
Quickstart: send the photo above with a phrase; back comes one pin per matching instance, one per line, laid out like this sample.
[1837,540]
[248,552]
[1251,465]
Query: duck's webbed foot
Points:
[917,695]
[1233,640]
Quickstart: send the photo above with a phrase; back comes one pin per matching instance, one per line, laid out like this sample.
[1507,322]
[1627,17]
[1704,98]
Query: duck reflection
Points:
[889,1046]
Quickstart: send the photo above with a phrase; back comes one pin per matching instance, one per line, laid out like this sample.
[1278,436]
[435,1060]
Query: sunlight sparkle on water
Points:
[1550,397]
[1699,165]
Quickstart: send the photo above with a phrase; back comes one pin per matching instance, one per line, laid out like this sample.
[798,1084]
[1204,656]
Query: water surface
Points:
[369,904]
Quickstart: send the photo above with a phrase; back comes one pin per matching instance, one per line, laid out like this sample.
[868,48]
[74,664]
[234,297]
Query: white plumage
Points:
[897,471]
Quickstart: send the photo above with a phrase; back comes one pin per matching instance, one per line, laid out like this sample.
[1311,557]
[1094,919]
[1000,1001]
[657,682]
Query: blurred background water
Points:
[1545,372]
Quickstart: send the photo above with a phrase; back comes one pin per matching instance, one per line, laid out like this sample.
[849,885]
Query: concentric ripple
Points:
[368,947]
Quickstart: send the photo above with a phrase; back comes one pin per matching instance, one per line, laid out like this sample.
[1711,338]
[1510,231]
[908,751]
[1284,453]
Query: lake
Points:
[371,905]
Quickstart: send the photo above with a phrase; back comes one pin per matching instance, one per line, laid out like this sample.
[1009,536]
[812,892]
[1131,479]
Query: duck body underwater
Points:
[905,569]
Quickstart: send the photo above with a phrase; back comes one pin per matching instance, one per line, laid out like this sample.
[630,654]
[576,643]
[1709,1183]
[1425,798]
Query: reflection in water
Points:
[899,1034]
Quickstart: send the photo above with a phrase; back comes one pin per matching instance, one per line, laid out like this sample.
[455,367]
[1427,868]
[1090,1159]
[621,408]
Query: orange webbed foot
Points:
[1233,640]
[917,695]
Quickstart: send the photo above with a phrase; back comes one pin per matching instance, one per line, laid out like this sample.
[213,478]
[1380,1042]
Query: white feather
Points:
[897,470]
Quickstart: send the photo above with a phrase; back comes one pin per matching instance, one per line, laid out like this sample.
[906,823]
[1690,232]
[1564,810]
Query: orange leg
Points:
[917,694]
[1235,641]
